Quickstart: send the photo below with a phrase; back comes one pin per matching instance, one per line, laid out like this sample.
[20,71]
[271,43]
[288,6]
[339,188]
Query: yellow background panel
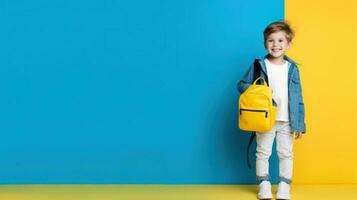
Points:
[325,46]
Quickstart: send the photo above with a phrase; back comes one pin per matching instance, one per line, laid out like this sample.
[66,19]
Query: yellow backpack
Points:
[256,109]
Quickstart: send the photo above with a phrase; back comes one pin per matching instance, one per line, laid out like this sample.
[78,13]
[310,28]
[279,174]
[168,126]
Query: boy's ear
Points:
[289,45]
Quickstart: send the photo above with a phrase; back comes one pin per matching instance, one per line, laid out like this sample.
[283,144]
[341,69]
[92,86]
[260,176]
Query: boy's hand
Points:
[298,135]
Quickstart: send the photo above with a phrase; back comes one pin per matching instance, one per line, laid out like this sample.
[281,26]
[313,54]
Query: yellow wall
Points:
[325,46]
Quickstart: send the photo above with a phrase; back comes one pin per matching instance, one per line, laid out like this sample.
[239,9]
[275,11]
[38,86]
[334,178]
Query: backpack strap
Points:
[252,136]
[256,74]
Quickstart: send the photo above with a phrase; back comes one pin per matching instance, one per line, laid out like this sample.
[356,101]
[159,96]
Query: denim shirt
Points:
[296,104]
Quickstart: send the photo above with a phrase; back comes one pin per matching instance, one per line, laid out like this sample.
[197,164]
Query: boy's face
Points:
[277,43]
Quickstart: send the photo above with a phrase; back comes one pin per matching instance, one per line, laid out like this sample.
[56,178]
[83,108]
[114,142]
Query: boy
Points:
[284,79]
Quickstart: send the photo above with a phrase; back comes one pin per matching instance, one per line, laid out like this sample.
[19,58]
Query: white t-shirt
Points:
[278,82]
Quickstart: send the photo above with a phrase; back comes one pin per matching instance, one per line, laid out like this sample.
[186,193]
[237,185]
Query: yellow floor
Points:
[167,192]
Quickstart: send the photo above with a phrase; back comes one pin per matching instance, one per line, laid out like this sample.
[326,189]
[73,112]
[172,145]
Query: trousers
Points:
[284,145]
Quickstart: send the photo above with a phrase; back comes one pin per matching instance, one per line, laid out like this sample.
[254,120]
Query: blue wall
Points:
[138,91]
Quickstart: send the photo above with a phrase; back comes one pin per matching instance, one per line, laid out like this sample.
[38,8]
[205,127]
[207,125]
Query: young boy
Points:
[283,77]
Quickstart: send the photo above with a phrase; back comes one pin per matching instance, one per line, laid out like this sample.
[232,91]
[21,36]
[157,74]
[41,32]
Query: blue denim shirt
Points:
[296,104]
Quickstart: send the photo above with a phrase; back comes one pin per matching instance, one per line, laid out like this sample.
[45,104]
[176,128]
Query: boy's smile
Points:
[276,44]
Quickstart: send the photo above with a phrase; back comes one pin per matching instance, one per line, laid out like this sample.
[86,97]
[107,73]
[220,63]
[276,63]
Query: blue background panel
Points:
[127,91]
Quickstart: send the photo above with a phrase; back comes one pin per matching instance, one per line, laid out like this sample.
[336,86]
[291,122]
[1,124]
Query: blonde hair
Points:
[279,26]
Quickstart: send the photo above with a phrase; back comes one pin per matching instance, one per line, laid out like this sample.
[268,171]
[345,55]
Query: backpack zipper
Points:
[266,112]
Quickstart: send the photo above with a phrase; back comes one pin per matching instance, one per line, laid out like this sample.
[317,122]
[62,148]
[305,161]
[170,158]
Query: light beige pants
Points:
[284,144]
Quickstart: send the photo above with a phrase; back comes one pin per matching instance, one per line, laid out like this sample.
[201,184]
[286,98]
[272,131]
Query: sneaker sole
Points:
[282,198]
[269,198]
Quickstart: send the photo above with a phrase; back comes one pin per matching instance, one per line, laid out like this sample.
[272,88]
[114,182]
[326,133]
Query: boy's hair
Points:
[279,26]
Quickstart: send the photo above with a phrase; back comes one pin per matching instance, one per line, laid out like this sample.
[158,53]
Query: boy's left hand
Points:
[298,135]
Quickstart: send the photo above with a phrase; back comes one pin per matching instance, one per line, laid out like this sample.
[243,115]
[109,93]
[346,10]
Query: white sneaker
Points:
[283,191]
[265,190]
